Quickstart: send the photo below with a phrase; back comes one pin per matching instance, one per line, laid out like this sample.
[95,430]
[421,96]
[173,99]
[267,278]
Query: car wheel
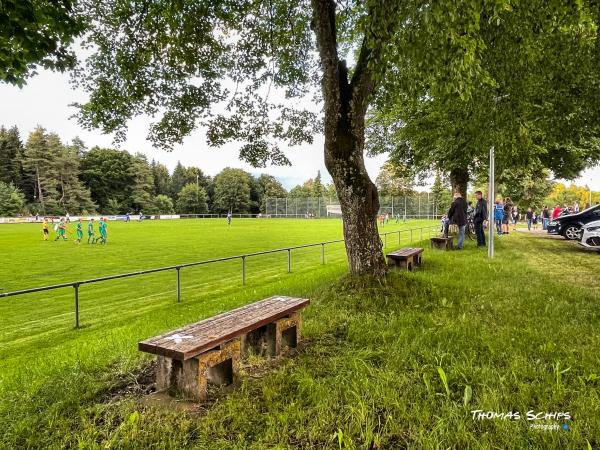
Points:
[572,233]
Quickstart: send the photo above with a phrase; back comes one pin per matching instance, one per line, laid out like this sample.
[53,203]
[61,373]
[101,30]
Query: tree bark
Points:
[345,107]
[459,179]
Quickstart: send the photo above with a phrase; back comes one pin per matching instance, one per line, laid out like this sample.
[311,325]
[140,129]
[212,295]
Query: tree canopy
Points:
[36,33]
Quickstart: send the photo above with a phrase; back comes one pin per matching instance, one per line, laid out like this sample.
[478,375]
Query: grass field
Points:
[398,364]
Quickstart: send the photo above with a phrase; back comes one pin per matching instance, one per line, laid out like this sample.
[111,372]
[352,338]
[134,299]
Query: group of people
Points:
[459,213]
[61,230]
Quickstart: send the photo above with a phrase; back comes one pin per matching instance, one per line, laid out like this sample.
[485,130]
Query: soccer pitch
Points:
[116,314]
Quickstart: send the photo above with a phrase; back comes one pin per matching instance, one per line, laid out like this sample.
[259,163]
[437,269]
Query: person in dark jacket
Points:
[457,215]
[479,217]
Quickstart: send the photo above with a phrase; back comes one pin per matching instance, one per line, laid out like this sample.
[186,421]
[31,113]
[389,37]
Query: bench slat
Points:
[191,340]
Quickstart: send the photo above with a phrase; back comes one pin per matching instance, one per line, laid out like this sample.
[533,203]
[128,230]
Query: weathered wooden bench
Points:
[405,258]
[209,351]
[444,243]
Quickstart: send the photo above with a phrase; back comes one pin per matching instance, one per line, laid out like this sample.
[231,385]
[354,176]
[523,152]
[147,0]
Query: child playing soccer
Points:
[79,233]
[45,228]
[102,228]
[62,229]
[91,233]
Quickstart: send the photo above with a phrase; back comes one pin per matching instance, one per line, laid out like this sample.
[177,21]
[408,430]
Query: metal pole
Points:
[411,235]
[322,253]
[392,206]
[243,270]
[76,287]
[178,284]
[404,208]
[421,233]
[289,260]
[398,237]
[428,205]
[286,211]
[492,197]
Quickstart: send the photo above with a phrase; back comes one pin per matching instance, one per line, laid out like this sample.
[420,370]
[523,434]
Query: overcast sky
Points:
[45,101]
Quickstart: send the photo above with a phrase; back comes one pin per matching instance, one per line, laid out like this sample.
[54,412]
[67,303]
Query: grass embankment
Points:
[394,365]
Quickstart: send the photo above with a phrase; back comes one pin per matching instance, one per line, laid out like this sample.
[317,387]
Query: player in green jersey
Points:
[61,230]
[79,232]
[91,232]
[102,227]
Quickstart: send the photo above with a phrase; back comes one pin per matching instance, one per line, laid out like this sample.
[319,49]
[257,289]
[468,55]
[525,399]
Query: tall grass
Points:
[398,363]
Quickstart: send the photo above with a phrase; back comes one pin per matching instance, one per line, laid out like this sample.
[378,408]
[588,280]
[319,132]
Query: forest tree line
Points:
[44,175]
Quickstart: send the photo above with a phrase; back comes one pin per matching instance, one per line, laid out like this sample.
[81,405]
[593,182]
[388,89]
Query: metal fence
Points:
[421,205]
[177,268]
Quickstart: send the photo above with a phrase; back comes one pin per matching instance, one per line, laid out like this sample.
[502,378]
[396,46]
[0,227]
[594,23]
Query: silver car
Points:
[590,235]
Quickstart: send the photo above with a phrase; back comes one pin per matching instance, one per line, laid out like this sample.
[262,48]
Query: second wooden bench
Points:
[405,258]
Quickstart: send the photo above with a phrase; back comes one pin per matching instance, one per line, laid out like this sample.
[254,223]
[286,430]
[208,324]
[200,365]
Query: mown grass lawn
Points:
[394,364]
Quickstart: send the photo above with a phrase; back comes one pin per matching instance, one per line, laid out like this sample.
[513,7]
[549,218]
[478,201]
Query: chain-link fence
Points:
[421,205]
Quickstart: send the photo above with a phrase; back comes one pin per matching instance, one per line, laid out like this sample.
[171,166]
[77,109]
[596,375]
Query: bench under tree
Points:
[405,258]
[442,242]
[210,351]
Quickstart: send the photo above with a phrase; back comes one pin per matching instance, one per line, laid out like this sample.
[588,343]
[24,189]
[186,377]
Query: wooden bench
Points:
[444,243]
[405,258]
[209,351]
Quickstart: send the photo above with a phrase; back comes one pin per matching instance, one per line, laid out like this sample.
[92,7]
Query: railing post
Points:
[289,260]
[398,237]
[178,284]
[76,287]
[411,235]
[322,252]
[243,270]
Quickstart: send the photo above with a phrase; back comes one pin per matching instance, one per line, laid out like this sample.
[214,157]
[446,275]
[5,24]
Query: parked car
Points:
[570,225]
[590,236]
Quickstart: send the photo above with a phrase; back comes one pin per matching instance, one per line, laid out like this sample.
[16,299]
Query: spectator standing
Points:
[457,215]
[498,216]
[529,217]
[556,212]
[515,217]
[545,217]
[508,207]
[479,217]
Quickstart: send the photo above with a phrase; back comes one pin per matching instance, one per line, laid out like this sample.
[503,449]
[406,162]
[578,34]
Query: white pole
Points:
[492,197]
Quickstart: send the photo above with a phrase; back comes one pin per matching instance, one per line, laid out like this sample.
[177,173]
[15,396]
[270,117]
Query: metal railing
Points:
[76,284]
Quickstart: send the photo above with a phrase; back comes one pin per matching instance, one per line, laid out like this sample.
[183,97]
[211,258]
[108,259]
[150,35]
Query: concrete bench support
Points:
[190,378]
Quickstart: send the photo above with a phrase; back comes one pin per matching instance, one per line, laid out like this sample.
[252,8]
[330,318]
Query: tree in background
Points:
[184,175]
[42,171]
[140,194]
[192,199]
[441,193]
[161,204]
[232,191]
[161,178]
[570,195]
[12,200]
[267,186]
[394,180]
[11,152]
[527,187]
[73,195]
[109,175]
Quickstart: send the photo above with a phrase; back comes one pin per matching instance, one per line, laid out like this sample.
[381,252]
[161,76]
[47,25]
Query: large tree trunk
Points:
[459,179]
[345,107]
